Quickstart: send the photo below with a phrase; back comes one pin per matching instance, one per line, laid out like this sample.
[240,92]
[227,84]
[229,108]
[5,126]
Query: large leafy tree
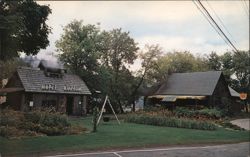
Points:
[101,58]
[118,51]
[149,57]
[78,49]
[23,28]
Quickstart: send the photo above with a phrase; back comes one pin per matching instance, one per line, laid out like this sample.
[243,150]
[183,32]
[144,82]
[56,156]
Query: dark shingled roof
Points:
[195,83]
[33,79]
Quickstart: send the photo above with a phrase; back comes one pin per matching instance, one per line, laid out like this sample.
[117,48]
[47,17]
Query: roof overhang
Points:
[173,98]
[10,90]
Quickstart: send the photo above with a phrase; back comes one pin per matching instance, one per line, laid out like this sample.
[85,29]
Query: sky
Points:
[174,25]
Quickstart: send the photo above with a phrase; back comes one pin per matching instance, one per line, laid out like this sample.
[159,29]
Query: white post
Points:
[102,110]
[113,111]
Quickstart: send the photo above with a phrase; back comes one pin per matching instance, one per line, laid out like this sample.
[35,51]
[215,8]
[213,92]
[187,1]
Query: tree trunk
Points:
[120,106]
[132,100]
[133,108]
[246,106]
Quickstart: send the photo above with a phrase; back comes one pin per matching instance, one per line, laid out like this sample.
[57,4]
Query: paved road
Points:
[243,123]
[228,150]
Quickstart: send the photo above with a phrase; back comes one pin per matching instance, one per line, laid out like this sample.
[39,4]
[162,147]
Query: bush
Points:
[211,113]
[15,124]
[10,131]
[47,119]
[199,114]
[11,118]
[169,122]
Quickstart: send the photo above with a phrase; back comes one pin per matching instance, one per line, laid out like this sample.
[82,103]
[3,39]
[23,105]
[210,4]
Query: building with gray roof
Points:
[47,87]
[194,89]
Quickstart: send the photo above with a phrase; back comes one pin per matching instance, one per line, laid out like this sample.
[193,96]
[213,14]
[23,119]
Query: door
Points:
[70,102]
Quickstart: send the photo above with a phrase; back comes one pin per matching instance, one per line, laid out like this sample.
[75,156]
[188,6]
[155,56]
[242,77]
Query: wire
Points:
[217,26]
[210,6]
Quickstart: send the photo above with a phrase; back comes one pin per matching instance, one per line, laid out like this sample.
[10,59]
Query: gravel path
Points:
[243,123]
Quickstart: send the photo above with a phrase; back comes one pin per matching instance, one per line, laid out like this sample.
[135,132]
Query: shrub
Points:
[10,131]
[169,122]
[15,124]
[47,119]
[204,113]
[211,113]
[11,118]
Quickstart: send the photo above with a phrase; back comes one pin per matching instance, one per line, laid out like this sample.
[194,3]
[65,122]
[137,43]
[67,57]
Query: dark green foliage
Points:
[101,58]
[22,28]
[169,122]
[15,124]
[204,113]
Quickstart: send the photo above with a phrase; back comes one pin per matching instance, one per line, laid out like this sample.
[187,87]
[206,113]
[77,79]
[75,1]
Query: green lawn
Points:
[112,135]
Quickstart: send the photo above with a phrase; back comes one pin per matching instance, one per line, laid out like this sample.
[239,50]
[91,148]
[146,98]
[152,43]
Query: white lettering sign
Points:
[50,87]
[72,88]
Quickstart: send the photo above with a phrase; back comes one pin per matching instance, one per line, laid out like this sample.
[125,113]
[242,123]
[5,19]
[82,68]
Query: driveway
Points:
[243,123]
[226,150]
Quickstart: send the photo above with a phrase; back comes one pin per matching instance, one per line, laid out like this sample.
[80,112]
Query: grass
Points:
[111,135]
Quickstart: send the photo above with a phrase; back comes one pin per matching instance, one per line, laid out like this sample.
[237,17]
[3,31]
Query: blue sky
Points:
[174,25]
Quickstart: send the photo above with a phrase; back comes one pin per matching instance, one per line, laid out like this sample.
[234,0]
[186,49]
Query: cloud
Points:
[180,43]
[175,25]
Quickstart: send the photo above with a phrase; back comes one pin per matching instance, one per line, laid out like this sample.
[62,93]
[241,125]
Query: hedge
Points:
[169,122]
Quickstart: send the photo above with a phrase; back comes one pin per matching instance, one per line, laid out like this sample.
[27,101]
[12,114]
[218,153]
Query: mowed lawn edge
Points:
[111,135]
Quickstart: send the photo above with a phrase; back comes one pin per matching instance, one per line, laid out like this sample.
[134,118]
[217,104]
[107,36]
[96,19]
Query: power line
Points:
[216,29]
[217,26]
[210,6]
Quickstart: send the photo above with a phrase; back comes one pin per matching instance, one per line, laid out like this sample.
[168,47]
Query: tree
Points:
[227,66]
[213,61]
[79,51]
[241,68]
[149,58]
[175,62]
[101,58]
[118,51]
[235,67]
[7,68]
[23,28]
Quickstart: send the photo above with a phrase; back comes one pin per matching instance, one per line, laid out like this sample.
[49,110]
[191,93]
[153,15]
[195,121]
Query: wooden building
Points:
[196,89]
[47,87]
